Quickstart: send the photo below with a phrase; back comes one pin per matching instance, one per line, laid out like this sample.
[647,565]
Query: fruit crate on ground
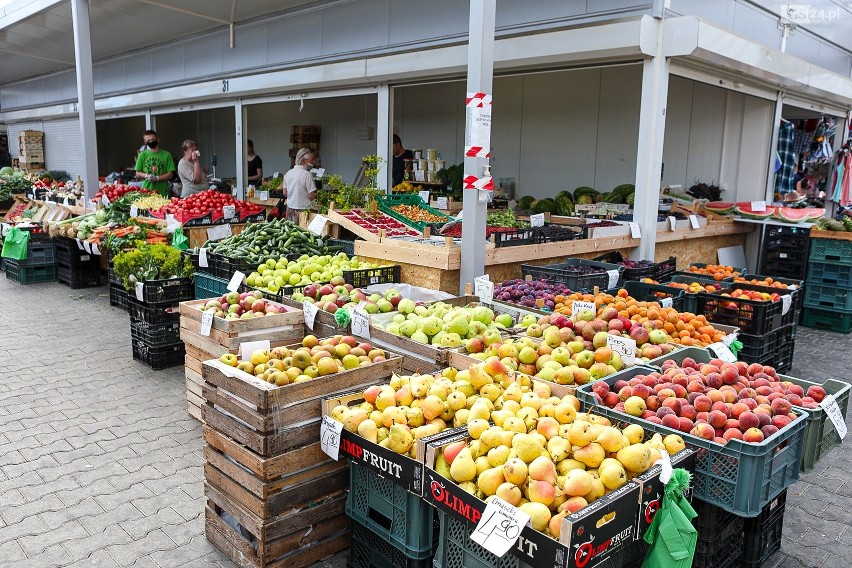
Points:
[831,251]
[829,297]
[739,477]
[155,335]
[80,277]
[763,533]
[763,348]
[171,290]
[209,286]
[39,253]
[830,274]
[369,550]
[118,297]
[719,532]
[153,314]
[754,317]
[831,320]
[158,357]
[577,274]
[387,509]
[29,274]
[457,550]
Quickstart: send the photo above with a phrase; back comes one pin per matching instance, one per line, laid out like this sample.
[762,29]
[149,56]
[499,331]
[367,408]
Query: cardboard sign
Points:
[723,352]
[442,203]
[317,224]
[500,526]
[249,347]
[218,232]
[264,196]
[635,232]
[786,302]
[140,291]
[614,275]
[624,346]
[228,211]
[693,221]
[361,323]
[202,258]
[834,414]
[236,280]
[330,430]
[537,220]
[484,288]
[578,306]
[310,310]
[758,206]
[206,323]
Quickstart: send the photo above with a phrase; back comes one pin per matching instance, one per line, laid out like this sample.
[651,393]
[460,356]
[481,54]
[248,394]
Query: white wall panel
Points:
[407,17]
[618,126]
[754,152]
[62,148]
[678,120]
[293,38]
[354,26]
[704,161]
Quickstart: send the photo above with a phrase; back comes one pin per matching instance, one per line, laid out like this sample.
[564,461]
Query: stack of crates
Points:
[828,294]
[76,267]
[117,294]
[306,136]
[785,251]
[31,150]
[155,321]
[40,264]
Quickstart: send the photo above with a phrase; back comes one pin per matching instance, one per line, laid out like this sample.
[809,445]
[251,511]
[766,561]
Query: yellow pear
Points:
[441,466]
[400,438]
[476,427]
[598,490]
[634,433]
[510,493]
[656,441]
[566,465]
[635,458]
[655,454]
[527,447]
[497,456]
[612,440]
[591,455]
[577,483]
[559,448]
[369,431]
[489,480]
[481,464]
[463,468]
[613,476]
[579,434]
[674,443]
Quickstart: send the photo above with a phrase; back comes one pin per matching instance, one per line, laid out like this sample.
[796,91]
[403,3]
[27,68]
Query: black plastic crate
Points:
[345,246]
[513,237]
[30,274]
[118,297]
[224,267]
[714,538]
[763,348]
[797,290]
[192,255]
[79,277]
[729,556]
[782,360]
[155,335]
[653,293]
[763,533]
[39,253]
[171,290]
[363,277]
[369,550]
[786,270]
[153,314]
[159,357]
[567,274]
[753,317]
[113,278]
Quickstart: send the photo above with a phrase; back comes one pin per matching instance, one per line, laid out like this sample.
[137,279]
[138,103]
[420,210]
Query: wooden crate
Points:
[194,394]
[232,333]
[269,419]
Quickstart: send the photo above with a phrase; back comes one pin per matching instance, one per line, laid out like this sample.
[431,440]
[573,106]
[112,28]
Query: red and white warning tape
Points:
[477,100]
[473,182]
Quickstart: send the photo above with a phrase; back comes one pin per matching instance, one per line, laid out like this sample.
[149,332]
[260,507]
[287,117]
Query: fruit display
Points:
[752,295]
[247,305]
[526,292]
[407,187]
[261,241]
[337,294]
[790,215]
[455,230]
[273,274]
[151,202]
[446,326]
[717,271]
[505,218]
[375,221]
[716,401]
[692,287]
[746,211]
[113,191]
[720,207]
[314,358]
[205,207]
[419,214]
[767,282]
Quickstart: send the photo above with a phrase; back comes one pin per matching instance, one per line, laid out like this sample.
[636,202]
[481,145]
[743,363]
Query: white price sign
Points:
[624,346]
[834,414]
[424,195]
[249,347]
[330,430]
[614,275]
[666,302]
[442,203]
[577,306]
[206,323]
[276,175]
[95,249]
[635,232]
[723,352]
[786,302]
[665,466]
[218,232]
[202,258]
[537,220]
[172,224]
[310,310]
[105,200]
[693,221]
[672,223]
[317,224]
[361,323]
[65,201]
[134,211]
[758,206]
[419,175]
[228,211]
[264,196]
[484,288]
[500,527]
[79,243]
[236,280]
[140,291]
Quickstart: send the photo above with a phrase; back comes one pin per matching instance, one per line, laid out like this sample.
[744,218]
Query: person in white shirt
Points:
[299,188]
[191,175]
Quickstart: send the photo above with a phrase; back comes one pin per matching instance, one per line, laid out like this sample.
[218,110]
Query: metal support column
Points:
[384,133]
[85,94]
[769,194]
[649,158]
[240,139]
[150,121]
[480,76]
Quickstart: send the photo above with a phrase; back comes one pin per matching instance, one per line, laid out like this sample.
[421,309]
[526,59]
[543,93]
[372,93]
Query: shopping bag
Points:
[671,535]
[179,240]
[15,245]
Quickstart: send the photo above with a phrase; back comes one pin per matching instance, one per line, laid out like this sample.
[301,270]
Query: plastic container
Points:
[782,360]
[345,246]
[690,299]
[652,293]
[397,516]
[388,201]
[369,550]
[159,357]
[755,317]
[572,280]
[798,284]
[153,314]
[830,320]
[738,477]
[762,534]
[30,274]
[79,277]
[831,250]
[171,290]
[209,286]
[118,297]
[39,253]
[830,274]
[224,267]
[763,348]
[363,277]
[829,297]
[457,550]
[154,335]
[717,529]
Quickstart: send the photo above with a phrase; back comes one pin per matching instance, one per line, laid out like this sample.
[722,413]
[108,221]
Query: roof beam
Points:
[187,12]
[23,9]
[34,56]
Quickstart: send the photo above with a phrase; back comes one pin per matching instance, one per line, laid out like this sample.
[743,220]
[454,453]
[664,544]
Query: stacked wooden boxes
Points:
[31,149]
[274,499]
[305,137]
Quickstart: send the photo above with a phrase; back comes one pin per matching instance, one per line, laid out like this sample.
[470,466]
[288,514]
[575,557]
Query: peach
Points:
[768,430]
[764,418]
[754,368]
[625,393]
[685,424]
[720,441]
[611,399]
[641,391]
[649,382]
[647,414]
[702,416]
[722,407]
[748,420]
[695,386]
[732,423]
[703,431]
[753,435]
[797,390]
[713,380]
[664,411]
[781,406]
[781,421]
[794,399]
[732,434]
[703,403]
[760,382]
[716,396]
[747,393]
[680,380]
[654,419]
[742,367]
[707,368]
[729,374]
[816,392]
[652,402]
[619,384]
[688,411]
[670,421]
[764,390]
[674,404]
[717,419]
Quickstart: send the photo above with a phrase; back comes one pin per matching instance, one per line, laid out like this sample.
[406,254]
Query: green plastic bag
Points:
[179,240]
[671,535]
[15,245]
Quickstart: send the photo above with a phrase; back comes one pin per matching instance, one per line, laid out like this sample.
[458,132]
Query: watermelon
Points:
[790,215]
[743,209]
[720,207]
[814,213]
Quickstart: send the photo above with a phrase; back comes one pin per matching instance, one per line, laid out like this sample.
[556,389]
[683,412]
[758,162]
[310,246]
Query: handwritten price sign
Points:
[206,323]
[484,288]
[360,323]
[500,526]
[834,414]
[330,430]
[624,346]
[310,310]
[577,306]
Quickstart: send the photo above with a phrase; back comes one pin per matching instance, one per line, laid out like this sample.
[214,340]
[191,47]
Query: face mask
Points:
[153,144]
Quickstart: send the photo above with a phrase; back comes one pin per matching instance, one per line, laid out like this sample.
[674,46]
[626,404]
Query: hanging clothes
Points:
[784,178]
[846,189]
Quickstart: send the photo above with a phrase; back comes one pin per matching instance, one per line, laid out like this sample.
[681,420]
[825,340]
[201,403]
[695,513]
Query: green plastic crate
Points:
[831,320]
[209,286]
[392,200]
[829,274]
[457,550]
[30,274]
[831,250]
[829,297]
[371,550]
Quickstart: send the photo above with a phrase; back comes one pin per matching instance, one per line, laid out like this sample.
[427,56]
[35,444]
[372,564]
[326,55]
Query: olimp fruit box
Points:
[651,489]
[404,470]
[587,538]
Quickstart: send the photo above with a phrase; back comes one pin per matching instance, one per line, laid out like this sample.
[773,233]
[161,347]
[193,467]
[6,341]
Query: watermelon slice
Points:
[720,207]
[790,215]
[814,213]
[743,209]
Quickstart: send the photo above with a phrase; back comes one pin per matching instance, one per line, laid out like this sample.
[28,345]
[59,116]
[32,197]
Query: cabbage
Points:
[6,171]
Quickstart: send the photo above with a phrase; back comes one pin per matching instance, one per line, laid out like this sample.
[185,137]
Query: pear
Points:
[635,458]
[577,483]
[566,465]
[612,440]
[476,427]
[468,486]
[539,515]
[613,476]
[463,468]
[482,464]
[598,490]
[559,448]
[441,467]
[497,456]
[674,443]
[579,434]
[591,455]
[527,447]
[353,417]
[369,431]
[543,469]
[400,438]
[510,493]
[634,433]
[489,480]
[515,471]
[656,441]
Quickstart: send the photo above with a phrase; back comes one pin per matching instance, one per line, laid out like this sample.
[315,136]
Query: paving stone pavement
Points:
[100,464]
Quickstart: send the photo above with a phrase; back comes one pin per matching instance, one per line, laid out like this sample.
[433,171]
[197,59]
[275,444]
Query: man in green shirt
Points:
[155,166]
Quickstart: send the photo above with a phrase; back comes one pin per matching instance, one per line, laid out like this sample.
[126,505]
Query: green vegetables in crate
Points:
[504,219]
[261,241]
[151,262]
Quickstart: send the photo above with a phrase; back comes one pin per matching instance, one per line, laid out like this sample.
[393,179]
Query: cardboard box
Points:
[651,489]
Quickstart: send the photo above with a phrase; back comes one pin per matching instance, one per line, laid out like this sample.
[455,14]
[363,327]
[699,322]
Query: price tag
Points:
[90,204]
[202,258]
[310,310]
[172,224]
[134,211]
[228,211]
[693,221]
[361,323]
[723,352]
[85,258]
[218,232]
[320,172]
[419,175]
[758,206]
[442,203]
[330,430]
[249,347]
[276,175]
[424,195]
[317,224]
[105,200]
[783,255]
[577,306]
[206,323]
[79,244]
[665,466]
[635,232]
[140,291]
[95,249]
[834,414]
[500,526]
[65,201]
[484,288]
[672,223]
[264,196]
[786,302]
[614,275]
[624,346]
[666,302]
[235,282]
[87,246]
[537,220]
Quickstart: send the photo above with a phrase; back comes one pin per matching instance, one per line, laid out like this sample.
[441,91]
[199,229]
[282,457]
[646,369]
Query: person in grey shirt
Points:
[192,177]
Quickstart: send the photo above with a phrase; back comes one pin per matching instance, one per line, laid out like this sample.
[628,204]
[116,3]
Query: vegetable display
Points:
[151,262]
[260,241]
[207,208]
